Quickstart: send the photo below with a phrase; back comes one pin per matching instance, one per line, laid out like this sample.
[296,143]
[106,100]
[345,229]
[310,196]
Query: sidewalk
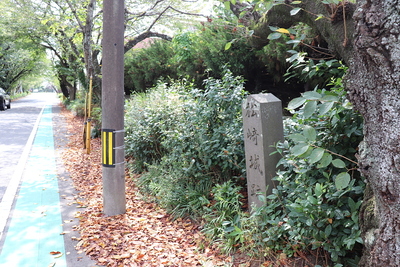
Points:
[39,230]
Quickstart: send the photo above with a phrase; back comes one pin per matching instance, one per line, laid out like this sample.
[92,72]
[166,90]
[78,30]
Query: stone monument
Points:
[262,128]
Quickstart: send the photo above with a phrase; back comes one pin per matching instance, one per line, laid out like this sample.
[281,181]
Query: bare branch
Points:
[148,34]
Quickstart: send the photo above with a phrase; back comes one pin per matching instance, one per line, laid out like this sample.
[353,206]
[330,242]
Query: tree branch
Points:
[148,34]
[335,29]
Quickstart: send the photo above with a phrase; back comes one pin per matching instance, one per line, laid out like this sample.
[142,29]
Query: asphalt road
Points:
[16,125]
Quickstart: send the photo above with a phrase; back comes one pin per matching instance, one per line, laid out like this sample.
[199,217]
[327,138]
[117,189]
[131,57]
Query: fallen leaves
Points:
[145,235]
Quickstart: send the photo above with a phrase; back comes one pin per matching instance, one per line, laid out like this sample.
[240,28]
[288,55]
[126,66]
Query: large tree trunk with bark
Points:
[374,89]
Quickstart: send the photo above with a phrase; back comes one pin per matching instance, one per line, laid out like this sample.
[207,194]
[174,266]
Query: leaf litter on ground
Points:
[145,235]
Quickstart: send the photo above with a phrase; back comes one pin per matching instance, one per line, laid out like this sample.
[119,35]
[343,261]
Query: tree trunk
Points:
[374,89]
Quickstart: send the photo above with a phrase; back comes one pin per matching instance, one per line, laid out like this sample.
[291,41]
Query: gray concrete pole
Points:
[113,158]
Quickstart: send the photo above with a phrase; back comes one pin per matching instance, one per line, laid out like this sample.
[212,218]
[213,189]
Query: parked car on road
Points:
[5,100]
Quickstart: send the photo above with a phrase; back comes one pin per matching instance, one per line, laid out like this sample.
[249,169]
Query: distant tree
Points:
[72,30]
[19,56]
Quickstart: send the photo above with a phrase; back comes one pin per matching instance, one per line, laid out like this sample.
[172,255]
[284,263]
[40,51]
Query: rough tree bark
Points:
[374,89]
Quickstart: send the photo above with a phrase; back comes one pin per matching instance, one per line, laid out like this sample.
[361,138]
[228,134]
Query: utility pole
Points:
[113,152]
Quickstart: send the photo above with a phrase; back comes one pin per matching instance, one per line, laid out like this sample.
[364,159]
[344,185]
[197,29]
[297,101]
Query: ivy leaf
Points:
[296,102]
[294,11]
[309,109]
[310,133]
[325,161]
[316,155]
[342,180]
[300,149]
[338,163]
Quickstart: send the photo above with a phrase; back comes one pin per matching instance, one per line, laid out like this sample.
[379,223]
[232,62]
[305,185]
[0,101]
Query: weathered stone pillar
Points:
[262,128]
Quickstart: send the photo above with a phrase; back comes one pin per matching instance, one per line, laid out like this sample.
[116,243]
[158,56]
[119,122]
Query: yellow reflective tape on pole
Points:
[108,144]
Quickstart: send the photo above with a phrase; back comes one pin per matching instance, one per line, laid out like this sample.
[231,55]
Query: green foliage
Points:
[200,54]
[319,192]
[313,72]
[149,117]
[191,143]
[144,67]
[223,216]
[77,106]
[188,139]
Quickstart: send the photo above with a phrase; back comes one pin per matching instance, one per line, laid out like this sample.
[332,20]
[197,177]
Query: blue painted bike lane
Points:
[34,236]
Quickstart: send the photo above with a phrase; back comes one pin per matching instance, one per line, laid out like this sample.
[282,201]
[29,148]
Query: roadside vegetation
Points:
[184,145]
[184,136]
[188,146]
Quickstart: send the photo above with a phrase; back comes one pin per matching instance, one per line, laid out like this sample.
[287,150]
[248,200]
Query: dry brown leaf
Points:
[144,236]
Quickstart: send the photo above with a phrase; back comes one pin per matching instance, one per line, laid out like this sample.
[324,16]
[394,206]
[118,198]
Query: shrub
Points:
[317,201]
[149,116]
[188,139]
[144,67]
[223,216]
[202,53]
[191,142]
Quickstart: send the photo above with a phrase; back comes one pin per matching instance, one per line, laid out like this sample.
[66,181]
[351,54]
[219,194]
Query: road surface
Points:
[16,125]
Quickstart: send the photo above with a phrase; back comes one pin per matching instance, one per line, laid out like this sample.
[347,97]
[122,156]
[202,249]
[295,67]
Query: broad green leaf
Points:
[294,57]
[296,2]
[309,108]
[352,205]
[325,107]
[342,180]
[312,95]
[274,36]
[330,98]
[325,160]
[300,149]
[272,28]
[296,102]
[295,41]
[228,45]
[227,5]
[318,190]
[328,230]
[312,200]
[283,30]
[294,11]
[338,163]
[316,155]
[298,138]
[310,133]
